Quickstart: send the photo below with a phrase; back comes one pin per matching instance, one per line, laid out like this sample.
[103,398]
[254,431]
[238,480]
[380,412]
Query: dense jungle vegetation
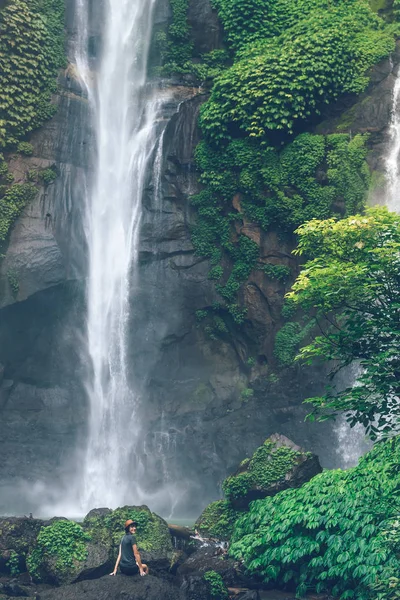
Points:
[283,64]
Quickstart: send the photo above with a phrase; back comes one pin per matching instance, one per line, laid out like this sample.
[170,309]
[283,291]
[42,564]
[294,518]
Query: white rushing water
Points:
[392,163]
[125,111]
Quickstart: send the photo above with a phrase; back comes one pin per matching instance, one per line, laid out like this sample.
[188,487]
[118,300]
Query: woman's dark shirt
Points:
[127,556]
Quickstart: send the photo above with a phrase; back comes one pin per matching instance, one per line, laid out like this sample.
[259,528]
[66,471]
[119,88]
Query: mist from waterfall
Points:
[125,111]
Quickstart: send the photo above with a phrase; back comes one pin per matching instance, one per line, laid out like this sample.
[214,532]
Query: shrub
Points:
[218,589]
[48,175]
[330,535]
[64,541]
[25,148]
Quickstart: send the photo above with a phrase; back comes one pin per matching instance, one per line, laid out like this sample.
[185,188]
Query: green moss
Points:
[267,466]
[217,520]
[64,542]
[218,589]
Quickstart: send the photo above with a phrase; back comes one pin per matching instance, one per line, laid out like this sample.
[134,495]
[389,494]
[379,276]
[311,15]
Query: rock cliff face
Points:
[196,423]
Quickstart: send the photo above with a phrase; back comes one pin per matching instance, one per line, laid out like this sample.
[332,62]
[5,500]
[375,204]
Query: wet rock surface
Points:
[120,587]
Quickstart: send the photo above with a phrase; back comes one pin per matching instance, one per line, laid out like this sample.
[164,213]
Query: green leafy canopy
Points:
[350,288]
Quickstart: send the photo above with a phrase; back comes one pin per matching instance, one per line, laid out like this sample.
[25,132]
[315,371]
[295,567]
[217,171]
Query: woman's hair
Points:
[131,524]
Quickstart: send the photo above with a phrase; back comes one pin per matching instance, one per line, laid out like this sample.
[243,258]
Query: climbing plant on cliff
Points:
[335,534]
[314,176]
[31,52]
[277,82]
[350,288]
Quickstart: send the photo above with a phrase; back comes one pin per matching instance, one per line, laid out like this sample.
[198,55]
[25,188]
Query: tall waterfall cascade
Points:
[125,109]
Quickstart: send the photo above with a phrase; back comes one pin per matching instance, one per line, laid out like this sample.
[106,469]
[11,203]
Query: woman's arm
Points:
[117,562]
[138,559]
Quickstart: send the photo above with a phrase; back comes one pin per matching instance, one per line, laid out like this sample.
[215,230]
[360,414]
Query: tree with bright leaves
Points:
[350,288]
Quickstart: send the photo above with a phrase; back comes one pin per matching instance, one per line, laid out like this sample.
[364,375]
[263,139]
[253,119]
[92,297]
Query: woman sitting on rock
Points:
[129,560]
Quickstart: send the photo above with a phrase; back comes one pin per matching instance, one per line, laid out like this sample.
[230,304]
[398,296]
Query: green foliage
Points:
[178,43]
[13,563]
[218,520]
[48,175]
[313,177]
[350,288]
[279,272]
[31,52]
[279,81]
[330,535]
[216,584]
[64,542]
[25,148]
[12,203]
[246,394]
[13,281]
[288,340]
[267,466]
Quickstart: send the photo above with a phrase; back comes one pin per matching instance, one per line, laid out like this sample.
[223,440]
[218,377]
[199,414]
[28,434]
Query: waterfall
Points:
[125,110]
[392,199]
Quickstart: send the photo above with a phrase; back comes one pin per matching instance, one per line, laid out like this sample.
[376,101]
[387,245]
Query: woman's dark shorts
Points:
[130,570]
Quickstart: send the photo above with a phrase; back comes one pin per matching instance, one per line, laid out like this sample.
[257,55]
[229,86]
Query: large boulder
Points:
[153,536]
[17,538]
[117,588]
[275,466]
[66,553]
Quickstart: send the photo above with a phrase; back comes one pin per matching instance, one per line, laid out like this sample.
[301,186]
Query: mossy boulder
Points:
[275,466]
[153,536]
[217,520]
[66,553]
[17,538]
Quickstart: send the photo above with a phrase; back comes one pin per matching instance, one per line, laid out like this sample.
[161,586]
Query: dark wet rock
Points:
[13,589]
[194,587]
[117,588]
[208,559]
[17,538]
[240,594]
[203,18]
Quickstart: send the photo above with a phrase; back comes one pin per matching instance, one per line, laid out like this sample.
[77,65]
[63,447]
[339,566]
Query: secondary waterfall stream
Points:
[125,110]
